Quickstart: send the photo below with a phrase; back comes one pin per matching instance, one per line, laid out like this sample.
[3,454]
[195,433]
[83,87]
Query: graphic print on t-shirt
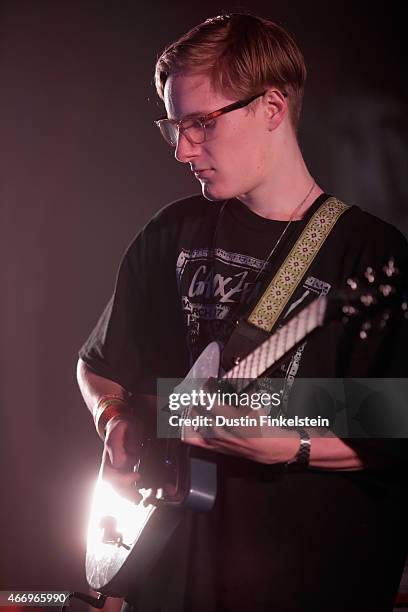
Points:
[215,285]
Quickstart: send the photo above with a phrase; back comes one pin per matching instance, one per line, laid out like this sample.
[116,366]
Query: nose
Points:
[185,149]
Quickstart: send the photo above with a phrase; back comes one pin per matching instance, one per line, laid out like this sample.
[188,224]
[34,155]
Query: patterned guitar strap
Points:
[251,332]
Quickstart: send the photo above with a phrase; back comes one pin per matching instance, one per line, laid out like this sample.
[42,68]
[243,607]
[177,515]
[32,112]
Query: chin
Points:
[214,193]
[208,194]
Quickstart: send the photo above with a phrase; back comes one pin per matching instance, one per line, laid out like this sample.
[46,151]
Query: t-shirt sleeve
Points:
[140,335]
[116,345]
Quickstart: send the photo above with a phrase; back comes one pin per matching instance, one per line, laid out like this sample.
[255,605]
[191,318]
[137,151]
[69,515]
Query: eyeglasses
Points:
[194,128]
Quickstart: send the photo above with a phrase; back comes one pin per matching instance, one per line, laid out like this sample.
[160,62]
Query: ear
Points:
[276,108]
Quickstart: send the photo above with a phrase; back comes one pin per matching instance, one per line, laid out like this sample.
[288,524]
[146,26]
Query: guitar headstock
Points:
[373,299]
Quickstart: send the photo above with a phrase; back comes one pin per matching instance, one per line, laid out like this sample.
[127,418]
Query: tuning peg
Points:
[349,310]
[385,290]
[364,329]
[369,274]
[367,299]
[384,319]
[352,283]
[389,268]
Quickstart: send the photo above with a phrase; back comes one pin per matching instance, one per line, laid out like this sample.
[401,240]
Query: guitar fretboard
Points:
[282,341]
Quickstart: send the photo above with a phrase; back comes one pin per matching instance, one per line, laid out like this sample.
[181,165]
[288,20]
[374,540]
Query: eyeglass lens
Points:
[193,129]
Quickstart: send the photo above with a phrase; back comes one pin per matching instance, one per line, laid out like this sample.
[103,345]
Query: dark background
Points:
[82,169]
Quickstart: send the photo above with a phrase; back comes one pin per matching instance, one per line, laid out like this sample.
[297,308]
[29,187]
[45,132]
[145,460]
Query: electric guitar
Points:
[125,539]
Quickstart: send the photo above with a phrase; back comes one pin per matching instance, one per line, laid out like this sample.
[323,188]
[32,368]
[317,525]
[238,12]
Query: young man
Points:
[329,535]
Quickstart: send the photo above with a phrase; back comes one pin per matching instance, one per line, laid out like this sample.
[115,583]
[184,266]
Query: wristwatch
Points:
[302,457]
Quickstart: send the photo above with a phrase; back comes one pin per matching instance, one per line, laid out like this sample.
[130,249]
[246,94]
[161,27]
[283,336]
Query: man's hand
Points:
[269,444]
[121,454]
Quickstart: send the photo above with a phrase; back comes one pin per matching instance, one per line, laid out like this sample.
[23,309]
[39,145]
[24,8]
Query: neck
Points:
[286,183]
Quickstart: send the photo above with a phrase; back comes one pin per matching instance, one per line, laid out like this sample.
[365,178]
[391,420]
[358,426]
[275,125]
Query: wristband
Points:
[108,407]
[302,457]
[104,400]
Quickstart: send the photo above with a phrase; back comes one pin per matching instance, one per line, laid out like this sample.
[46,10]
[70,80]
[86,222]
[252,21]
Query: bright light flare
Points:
[128,517]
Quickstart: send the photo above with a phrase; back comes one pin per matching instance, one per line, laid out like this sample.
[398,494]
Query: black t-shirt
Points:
[316,540]
[190,272]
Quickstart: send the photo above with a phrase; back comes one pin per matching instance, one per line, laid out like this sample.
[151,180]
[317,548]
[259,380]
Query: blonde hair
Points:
[242,55]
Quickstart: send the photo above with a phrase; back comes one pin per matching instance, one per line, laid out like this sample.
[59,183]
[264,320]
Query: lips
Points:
[203,173]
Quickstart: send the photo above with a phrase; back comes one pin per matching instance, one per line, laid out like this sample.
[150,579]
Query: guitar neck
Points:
[277,345]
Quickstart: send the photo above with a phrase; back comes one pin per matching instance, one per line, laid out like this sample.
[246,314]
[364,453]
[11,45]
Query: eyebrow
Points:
[195,114]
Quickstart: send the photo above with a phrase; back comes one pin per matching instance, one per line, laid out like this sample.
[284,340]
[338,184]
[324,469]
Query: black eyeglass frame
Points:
[205,119]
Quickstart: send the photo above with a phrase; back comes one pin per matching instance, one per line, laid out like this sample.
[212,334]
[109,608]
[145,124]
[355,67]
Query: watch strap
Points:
[302,457]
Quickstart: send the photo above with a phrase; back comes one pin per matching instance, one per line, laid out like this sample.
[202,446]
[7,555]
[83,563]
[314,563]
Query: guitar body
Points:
[125,539]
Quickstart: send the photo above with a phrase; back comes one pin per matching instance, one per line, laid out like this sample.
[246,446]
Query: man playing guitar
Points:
[328,535]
